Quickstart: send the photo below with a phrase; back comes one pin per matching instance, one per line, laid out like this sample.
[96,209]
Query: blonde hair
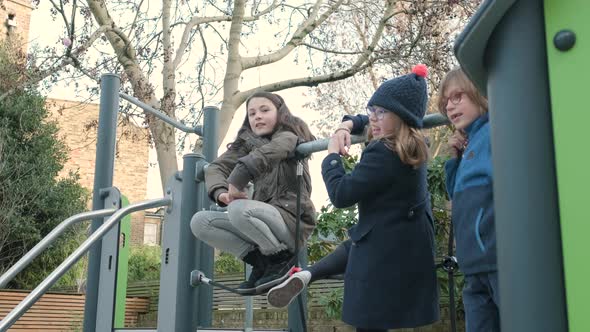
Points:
[409,143]
[458,76]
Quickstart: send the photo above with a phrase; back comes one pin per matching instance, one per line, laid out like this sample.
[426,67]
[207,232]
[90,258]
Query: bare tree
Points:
[422,32]
[202,50]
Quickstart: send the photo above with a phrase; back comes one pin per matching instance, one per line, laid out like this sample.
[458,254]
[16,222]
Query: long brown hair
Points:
[458,76]
[285,119]
[409,143]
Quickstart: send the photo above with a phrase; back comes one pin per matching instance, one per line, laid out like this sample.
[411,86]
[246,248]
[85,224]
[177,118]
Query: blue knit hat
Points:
[406,96]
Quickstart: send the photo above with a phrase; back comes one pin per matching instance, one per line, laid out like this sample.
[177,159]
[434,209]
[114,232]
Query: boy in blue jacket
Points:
[469,184]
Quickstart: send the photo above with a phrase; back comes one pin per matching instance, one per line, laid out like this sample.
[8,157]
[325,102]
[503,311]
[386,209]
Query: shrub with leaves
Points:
[226,263]
[33,199]
[144,263]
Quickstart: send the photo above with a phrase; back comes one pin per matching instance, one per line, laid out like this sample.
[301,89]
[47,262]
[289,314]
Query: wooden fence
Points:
[60,311]
[64,311]
[224,300]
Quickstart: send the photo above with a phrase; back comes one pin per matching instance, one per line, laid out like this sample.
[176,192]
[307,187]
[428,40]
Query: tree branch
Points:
[70,59]
[303,81]
[197,21]
[303,31]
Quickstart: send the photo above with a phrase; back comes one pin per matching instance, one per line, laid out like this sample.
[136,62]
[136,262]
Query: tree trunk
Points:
[233,72]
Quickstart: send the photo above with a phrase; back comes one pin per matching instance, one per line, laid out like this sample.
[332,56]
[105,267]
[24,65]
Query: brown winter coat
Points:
[270,165]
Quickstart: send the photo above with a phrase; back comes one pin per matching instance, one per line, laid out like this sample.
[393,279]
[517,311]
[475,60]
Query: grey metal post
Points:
[103,178]
[249,301]
[105,314]
[205,252]
[177,310]
[527,218]
[169,280]
[294,319]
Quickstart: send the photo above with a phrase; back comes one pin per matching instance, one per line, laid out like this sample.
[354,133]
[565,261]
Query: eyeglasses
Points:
[377,111]
[455,98]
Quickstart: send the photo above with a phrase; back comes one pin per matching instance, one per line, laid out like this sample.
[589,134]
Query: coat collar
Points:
[477,124]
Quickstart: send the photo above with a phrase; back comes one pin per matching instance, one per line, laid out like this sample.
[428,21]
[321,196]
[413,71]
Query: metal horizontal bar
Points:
[162,116]
[47,240]
[28,301]
[305,149]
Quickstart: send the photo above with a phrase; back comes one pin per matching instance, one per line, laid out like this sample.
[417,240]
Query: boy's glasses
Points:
[455,98]
[378,112]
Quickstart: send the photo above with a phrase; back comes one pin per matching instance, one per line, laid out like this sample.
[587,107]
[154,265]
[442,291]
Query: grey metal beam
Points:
[169,280]
[305,149]
[162,116]
[105,314]
[205,252]
[35,294]
[103,178]
[48,240]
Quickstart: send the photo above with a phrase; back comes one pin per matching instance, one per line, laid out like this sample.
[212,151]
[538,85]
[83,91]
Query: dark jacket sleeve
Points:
[260,160]
[374,173]
[217,172]
[359,122]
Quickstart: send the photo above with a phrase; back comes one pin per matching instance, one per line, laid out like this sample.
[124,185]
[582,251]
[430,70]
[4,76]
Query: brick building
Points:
[77,124]
[16,18]
[76,128]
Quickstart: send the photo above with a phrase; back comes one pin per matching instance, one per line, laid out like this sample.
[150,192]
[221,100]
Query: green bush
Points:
[144,263]
[33,197]
[226,263]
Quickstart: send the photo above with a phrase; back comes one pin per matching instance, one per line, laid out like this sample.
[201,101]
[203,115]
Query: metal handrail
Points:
[162,116]
[49,239]
[28,301]
[305,149]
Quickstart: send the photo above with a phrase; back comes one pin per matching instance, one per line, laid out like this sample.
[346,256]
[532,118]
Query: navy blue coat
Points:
[390,280]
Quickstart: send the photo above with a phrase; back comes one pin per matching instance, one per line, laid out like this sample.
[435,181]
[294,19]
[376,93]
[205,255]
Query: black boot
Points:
[258,262]
[278,265]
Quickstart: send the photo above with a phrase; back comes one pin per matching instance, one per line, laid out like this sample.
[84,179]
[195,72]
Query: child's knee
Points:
[200,222]
[238,211]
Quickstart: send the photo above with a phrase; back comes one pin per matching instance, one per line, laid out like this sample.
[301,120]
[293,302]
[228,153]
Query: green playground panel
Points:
[122,267]
[569,73]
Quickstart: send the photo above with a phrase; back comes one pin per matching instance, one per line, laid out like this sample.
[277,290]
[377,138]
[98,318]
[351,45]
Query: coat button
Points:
[334,162]
[411,213]
[287,205]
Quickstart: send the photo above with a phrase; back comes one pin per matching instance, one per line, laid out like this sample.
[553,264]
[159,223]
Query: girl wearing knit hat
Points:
[469,184]
[388,262]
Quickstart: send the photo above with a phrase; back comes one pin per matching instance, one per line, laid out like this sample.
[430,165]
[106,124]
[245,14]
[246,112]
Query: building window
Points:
[150,234]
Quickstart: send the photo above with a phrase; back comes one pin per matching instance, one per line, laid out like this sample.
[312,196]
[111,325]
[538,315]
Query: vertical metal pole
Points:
[249,310]
[530,266]
[294,315]
[103,178]
[188,297]
[205,252]
[109,261]
[176,307]
[169,279]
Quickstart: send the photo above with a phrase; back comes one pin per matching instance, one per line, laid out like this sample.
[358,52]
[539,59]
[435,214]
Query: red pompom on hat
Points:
[420,70]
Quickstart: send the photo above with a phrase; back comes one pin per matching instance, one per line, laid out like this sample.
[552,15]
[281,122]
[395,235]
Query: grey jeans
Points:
[246,225]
